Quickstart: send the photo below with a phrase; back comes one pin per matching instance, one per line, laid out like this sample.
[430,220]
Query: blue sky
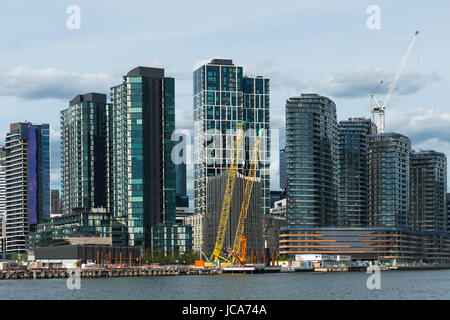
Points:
[302,46]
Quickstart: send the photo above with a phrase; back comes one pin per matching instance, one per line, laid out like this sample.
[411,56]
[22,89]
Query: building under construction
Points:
[253,223]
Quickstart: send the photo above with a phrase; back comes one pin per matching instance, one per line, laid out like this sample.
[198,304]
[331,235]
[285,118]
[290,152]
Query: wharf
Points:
[250,269]
[52,273]
[303,269]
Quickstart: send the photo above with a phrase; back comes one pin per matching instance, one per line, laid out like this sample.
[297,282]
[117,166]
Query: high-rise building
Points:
[253,229]
[223,98]
[83,148]
[428,191]
[448,211]
[141,175]
[181,171]
[2,182]
[27,181]
[256,117]
[283,169]
[353,185]
[389,180]
[55,204]
[2,155]
[311,161]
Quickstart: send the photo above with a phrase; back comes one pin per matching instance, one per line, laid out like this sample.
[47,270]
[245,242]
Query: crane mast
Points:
[377,108]
[226,204]
[240,245]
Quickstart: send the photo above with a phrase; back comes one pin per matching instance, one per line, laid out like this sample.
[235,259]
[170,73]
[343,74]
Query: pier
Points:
[54,273]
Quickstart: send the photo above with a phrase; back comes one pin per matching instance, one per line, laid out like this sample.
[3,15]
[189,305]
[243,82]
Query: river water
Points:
[433,284]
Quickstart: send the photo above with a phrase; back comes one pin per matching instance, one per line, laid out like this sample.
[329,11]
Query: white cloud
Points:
[428,129]
[50,83]
[362,82]
[421,124]
[352,83]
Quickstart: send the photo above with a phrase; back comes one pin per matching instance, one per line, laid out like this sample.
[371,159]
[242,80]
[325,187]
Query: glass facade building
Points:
[311,161]
[389,180]
[172,237]
[80,223]
[282,169]
[223,98]
[428,191]
[181,172]
[447,197]
[141,175]
[353,163]
[256,114]
[83,149]
[27,182]
[55,203]
[2,183]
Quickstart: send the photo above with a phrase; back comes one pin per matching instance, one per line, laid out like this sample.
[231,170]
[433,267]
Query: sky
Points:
[325,47]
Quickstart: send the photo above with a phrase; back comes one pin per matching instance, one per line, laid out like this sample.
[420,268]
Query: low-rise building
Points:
[81,223]
[196,222]
[384,244]
[70,255]
[172,238]
[273,222]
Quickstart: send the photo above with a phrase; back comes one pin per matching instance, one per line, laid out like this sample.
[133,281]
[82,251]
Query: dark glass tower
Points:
[181,172]
[283,169]
[141,174]
[428,191]
[311,161]
[353,186]
[257,116]
[27,181]
[83,148]
[389,180]
[55,203]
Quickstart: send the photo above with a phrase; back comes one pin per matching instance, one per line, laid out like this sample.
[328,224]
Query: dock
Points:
[250,269]
[53,273]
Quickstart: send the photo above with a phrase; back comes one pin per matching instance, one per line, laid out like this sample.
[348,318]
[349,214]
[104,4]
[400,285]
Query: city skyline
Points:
[201,151]
[40,87]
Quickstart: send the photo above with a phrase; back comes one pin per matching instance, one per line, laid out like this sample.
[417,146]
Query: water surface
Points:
[433,284]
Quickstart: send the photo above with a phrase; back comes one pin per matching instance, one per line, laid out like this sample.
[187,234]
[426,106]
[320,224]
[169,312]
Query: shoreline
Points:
[114,272]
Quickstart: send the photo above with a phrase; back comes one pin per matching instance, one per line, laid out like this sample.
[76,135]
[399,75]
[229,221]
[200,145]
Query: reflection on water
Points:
[296,286]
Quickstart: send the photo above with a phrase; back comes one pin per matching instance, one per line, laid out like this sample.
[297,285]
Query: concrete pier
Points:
[111,272]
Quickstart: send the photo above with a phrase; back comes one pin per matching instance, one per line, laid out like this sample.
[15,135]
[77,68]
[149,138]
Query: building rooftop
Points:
[428,152]
[89,97]
[388,134]
[146,72]
[228,62]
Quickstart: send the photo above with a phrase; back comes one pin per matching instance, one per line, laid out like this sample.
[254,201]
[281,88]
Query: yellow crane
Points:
[228,196]
[240,241]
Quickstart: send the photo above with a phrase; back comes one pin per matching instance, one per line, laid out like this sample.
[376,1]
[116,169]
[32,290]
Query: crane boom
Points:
[231,178]
[399,70]
[380,109]
[246,201]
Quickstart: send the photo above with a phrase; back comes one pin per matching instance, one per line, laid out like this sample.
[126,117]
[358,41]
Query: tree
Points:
[159,256]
